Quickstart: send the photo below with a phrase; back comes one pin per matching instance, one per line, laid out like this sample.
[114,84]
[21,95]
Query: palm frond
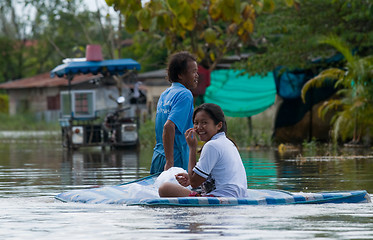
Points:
[336,128]
[354,106]
[332,104]
[319,80]
[340,45]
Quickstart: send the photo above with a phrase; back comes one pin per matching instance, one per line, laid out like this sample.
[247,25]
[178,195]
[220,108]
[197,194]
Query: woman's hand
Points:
[183,179]
[191,138]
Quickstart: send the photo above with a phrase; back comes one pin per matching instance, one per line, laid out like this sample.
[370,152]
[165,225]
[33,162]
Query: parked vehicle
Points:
[115,130]
[120,130]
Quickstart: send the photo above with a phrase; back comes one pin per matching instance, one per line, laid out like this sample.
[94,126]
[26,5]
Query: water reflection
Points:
[38,168]
[47,167]
[100,167]
[32,173]
[350,169]
[81,160]
[260,169]
[347,169]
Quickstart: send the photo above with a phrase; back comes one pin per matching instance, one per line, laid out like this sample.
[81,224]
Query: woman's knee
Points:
[165,189]
[168,189]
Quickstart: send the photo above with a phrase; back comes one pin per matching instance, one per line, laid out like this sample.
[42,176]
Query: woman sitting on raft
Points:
[219,171]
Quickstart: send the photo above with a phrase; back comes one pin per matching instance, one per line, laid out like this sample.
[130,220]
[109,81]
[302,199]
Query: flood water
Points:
[32,173]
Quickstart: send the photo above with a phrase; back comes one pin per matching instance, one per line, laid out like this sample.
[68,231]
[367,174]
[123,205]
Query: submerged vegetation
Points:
[238,131]
[259,135]
[25,122]
[25,127]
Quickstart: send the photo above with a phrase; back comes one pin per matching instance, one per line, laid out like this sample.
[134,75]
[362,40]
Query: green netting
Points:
[241,95]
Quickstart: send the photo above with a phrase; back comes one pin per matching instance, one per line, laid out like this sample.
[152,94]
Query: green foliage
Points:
[147,134]
[238,131]
[148,51]
[210,29]
[289,37]
[311,146]
[4,103]
[354,104]
[319,80]
[8,59]
[35,43]
[25,122]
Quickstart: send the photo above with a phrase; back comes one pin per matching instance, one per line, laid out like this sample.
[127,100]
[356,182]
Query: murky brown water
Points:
[32,173]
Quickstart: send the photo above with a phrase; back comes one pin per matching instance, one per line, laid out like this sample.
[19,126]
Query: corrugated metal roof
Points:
[44,80]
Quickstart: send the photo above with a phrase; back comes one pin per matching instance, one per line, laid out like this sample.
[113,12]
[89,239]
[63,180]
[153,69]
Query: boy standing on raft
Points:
[174,114]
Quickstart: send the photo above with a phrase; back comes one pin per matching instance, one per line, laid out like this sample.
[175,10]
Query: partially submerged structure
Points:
[40,94]
[81,122]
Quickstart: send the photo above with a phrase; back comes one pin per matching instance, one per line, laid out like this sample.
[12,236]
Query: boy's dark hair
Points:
[178,64]
[215,112]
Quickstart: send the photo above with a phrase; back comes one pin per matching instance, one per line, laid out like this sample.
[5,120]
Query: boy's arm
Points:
[168,138]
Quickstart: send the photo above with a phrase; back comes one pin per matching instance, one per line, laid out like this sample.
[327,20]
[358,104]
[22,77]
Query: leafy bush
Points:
[4,103]
[147,134]
[25,122]
[238,131]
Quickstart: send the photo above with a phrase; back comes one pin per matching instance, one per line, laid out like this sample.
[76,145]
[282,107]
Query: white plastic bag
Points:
[137,191]
[168,176]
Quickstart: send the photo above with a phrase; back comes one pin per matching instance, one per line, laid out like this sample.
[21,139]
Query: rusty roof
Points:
[44,80]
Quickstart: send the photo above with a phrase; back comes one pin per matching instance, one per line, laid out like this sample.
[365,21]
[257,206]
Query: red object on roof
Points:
[44,80]
[93,53]
[203,81]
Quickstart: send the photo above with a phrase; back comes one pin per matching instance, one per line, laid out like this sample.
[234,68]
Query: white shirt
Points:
[220,163]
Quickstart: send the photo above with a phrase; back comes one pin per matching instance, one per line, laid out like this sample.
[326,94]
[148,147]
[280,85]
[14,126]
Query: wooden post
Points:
[250,124]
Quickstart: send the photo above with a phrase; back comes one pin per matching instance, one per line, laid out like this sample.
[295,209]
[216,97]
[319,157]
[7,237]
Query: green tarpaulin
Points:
[241,95]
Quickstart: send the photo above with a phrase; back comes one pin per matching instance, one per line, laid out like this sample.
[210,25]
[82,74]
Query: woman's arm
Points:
[191,138]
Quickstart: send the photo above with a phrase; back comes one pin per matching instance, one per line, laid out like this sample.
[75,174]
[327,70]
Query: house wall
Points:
[152,95]
[154,83]
[44,102]
[33,100]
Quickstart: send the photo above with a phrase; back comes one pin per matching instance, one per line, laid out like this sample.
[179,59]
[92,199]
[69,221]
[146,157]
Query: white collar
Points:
[218,135]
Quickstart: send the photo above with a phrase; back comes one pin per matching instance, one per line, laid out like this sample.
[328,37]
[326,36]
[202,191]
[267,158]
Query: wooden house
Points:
[40,94]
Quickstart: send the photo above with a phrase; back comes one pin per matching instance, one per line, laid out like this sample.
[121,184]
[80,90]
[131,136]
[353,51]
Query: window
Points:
[53,102]
[82,104]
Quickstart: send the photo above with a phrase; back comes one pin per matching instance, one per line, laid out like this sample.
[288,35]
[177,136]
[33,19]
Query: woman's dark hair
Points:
[215,112]
[178,64]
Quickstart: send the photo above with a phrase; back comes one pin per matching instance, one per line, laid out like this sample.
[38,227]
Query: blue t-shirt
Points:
[175,104]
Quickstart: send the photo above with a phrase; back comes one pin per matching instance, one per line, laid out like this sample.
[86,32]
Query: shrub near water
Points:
[147,134]
[25,122]
[238,131]
[4,103]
